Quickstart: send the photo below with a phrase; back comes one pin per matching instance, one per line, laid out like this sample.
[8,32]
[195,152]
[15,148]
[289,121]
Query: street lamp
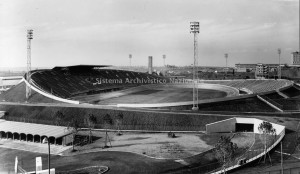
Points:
[46,140]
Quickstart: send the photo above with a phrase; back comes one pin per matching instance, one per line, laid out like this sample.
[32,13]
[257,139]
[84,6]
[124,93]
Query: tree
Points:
[74,127]
[225,151]
[90,121]
[107,123]
[58,118]
[118,121]
[266,129]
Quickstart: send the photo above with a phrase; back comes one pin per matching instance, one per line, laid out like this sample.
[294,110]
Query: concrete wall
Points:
[228,125]
[67,140]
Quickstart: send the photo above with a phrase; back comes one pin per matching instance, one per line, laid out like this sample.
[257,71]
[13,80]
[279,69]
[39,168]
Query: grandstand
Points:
[256,86]
[67,82]
[102,85]
[220,99]
[291,92]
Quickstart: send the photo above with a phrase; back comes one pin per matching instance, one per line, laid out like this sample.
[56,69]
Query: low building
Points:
[8,82]
[245,67]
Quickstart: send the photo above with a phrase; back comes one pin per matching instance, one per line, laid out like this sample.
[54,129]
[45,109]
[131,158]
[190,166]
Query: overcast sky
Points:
[69,32]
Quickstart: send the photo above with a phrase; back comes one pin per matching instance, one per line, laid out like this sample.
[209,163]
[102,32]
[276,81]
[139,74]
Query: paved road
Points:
[118,162]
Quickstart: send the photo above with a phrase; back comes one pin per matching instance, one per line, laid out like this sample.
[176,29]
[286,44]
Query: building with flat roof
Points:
[296,58]
[58,135]
[253,66]
[8,82]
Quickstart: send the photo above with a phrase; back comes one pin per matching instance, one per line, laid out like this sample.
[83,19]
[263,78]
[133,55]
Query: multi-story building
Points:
[296,58]
[262,70]
[252,67]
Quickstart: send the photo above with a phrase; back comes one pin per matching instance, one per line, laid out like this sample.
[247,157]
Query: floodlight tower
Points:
[130,57]
[279,67]
[226,57]
[194,26]
[164,57]
[28,77]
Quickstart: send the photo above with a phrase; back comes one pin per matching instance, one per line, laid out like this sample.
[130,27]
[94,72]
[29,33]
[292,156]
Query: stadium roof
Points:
[34,129]
[79,67]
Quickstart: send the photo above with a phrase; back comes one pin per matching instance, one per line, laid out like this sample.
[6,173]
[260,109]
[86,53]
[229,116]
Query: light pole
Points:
[281,159]
[226,57]
[46,140]
[29,38]
[279,67]
[194,26]
[130,57]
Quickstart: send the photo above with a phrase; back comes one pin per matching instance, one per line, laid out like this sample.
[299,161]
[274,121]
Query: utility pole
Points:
[195,28]
[279,66]
[281,159]
[28,77]
[47,140]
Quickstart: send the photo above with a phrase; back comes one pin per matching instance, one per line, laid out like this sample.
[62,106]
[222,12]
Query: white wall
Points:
[228,125]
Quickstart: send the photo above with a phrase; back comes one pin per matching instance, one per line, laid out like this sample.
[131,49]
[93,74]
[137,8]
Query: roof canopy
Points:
[34,129]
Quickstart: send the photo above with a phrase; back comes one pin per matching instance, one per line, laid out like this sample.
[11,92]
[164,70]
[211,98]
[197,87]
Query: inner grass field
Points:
[164,95]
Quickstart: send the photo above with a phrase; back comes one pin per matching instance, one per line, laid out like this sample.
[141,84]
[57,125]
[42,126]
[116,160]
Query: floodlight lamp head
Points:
[30,34]
[195,27]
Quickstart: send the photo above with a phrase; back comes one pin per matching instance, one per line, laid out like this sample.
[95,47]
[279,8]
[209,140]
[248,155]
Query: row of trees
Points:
[89,121]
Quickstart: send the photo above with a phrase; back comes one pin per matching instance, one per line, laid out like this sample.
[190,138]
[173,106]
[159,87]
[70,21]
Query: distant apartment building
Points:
[245,67]
[296,58]
[254,67]
[262,70]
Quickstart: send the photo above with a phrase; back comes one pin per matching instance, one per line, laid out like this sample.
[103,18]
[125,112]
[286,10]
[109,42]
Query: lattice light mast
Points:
[130,57]
[194,26]
[164,58]
[279,66]
[28,76]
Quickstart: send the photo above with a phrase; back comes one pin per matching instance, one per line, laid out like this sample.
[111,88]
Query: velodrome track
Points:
[170,94]
[165,95]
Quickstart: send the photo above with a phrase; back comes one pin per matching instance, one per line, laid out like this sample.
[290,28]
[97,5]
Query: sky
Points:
[105,32]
